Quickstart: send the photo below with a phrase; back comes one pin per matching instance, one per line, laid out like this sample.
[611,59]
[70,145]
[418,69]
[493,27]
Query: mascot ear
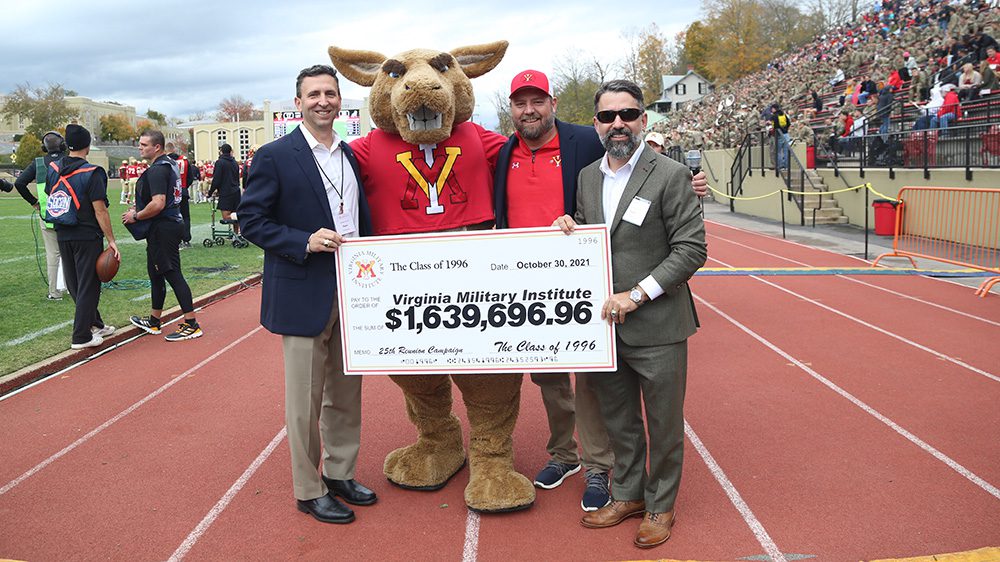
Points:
[360,67]
[477,60]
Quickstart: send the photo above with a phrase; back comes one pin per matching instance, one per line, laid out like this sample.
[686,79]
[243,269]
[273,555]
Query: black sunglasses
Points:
[627,115]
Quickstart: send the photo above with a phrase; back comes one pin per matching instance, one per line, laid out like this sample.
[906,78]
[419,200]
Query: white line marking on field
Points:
[86,360]
[10,485]
[17,259]
[794,243]
[471,549]
[141,297]
[964,472]
[16,217]
[83,361]
[893,335]
[226,498]
[928,303]
[763,537]
[851,279]
[38,334]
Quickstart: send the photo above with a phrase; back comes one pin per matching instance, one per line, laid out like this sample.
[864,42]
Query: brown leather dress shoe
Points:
[654,530]
[613,514]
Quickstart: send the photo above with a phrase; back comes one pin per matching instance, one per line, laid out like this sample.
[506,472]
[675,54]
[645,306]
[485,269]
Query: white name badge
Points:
[636,211]
[344,223]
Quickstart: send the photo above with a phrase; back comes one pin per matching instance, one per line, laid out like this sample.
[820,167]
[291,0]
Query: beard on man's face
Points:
[536,129]
[620,149]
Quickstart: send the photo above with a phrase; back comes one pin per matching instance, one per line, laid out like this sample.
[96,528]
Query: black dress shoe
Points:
[352,491]
[326,509]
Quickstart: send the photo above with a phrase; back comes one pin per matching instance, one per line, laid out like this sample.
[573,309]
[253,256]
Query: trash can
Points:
[811,157]
[885,216]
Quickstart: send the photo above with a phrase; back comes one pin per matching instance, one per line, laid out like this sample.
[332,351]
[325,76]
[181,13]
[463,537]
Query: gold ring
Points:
[326,243]
[614,313]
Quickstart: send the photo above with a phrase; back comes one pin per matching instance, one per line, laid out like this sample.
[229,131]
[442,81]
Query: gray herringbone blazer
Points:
[669,245]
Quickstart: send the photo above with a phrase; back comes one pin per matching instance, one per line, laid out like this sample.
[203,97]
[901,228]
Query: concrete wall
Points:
[853,202]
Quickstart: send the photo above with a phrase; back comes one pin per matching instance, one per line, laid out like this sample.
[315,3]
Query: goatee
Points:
[620,149]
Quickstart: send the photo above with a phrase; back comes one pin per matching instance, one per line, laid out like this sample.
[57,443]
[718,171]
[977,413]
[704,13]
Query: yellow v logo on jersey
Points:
[431,174]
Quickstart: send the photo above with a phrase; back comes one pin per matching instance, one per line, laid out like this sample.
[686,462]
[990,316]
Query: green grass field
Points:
[33,328]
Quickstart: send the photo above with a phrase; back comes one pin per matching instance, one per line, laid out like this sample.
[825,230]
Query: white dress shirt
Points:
[612,190]
[335,169]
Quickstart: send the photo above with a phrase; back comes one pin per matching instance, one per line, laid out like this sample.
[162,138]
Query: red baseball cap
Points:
[530,79]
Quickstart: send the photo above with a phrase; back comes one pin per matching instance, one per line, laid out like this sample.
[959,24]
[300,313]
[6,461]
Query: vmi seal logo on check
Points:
[365,269]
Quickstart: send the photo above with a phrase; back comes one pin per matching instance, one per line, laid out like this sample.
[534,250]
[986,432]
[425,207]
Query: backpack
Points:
[62,203]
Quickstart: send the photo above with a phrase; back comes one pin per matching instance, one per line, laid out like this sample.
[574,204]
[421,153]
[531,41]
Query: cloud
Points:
[184,57]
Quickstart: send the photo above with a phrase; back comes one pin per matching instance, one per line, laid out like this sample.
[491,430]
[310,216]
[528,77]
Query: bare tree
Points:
[574,83]
[501,103]
[237,108]
[629,65]
[835,12]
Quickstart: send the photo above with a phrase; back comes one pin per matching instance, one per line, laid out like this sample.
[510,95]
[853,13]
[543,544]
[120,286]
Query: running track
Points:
[829,416]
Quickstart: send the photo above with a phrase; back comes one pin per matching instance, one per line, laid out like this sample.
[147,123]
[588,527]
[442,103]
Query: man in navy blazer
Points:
[303,198]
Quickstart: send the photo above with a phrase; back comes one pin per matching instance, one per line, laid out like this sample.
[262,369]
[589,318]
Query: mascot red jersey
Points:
[429,169]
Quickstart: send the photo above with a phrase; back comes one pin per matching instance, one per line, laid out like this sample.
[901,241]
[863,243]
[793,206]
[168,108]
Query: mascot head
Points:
[419,94]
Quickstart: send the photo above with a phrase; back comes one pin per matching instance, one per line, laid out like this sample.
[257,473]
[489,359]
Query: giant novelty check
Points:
[507,301]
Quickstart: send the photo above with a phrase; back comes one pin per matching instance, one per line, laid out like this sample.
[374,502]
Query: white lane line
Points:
[893,335]
[763,537]
[851,279]
[928,303]
[964,472]
[38,334]
[471,549]
[10,485]
[775,238]
[226,498]
[86,360]
[794,243]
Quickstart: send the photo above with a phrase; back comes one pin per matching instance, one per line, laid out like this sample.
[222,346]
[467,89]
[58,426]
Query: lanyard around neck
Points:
[339,192]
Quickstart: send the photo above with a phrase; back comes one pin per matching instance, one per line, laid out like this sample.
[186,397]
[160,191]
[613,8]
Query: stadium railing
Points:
[968,146]
[960,226]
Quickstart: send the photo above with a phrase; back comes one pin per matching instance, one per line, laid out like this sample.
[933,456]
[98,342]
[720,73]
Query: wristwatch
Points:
[635,295]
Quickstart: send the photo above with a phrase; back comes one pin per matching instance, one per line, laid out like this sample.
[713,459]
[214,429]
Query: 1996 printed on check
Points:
[507,301]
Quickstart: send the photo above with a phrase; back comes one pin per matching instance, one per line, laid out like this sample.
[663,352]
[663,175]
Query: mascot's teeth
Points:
[424,119]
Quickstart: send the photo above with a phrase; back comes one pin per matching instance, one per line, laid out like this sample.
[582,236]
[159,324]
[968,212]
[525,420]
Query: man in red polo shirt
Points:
[534,184]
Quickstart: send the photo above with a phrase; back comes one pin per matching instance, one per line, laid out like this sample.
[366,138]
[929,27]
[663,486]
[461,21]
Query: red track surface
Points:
[810,461]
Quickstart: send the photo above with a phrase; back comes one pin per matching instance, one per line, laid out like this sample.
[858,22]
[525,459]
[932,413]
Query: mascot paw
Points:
[494,487]
[422,466]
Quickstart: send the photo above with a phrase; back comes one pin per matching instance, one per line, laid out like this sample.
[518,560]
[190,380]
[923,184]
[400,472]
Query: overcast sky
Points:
[183,57]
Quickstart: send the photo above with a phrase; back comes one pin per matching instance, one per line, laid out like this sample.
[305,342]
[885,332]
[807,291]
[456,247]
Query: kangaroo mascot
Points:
[428,169]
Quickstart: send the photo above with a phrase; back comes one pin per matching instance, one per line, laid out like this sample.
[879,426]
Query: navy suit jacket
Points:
[579,146]
[285,201]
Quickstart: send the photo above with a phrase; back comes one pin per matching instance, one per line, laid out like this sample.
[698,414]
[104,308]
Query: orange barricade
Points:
[953,225]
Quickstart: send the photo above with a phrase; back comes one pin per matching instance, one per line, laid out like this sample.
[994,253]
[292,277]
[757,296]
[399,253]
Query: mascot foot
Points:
[422,466]
[494,487]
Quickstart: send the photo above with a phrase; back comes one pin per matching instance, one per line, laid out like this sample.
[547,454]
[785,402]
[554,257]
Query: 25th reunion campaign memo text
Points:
[507,301]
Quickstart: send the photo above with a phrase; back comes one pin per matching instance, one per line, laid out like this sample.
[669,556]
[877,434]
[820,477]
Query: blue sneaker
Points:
[554,473]
[597,494]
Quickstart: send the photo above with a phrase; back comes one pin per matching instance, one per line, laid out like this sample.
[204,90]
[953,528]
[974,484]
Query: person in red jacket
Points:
[949,109]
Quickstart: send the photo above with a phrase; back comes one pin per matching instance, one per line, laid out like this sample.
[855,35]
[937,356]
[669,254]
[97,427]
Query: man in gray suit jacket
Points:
[657,244]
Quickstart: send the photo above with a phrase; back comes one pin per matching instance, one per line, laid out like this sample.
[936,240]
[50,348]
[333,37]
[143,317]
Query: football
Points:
[107,265]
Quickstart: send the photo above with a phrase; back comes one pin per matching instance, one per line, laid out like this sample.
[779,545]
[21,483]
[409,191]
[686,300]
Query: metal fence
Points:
[971,146]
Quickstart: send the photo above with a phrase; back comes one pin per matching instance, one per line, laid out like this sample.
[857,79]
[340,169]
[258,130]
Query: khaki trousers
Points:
[568,411]
[51,259]
[322,410]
